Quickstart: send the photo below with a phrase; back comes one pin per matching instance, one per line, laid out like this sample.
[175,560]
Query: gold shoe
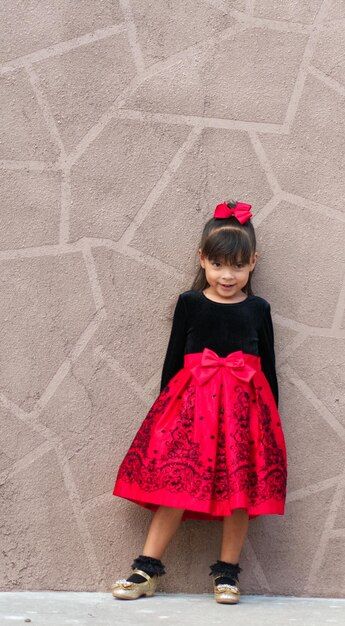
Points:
[127,590]
[226,594]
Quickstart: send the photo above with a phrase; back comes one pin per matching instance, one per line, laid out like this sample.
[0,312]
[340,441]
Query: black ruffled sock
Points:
[147,564]
[228,572]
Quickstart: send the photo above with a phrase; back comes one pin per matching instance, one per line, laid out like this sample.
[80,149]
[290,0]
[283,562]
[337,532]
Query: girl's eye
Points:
[239,265]
[216,264]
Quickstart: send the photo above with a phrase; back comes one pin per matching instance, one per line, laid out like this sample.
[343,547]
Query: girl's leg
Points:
[225,571]
[162,528]
[164,524]
[235,530]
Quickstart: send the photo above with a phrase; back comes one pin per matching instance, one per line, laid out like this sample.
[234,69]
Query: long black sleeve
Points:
[266,352]
[173,361]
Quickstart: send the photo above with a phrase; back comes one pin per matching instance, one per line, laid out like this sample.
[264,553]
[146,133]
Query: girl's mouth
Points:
[227,286]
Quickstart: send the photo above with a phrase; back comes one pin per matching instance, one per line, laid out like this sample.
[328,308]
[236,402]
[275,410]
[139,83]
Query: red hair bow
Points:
[241,211]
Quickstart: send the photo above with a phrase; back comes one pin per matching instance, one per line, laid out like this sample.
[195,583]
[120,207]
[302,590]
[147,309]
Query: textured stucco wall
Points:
[124,122]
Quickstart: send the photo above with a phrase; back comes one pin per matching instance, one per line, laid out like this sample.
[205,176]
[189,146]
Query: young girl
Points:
[212,445]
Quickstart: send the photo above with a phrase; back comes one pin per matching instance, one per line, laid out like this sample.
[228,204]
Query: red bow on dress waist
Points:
[211,362]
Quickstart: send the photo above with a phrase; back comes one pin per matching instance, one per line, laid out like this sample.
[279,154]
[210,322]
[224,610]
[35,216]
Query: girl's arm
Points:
[173,361]
[266,351]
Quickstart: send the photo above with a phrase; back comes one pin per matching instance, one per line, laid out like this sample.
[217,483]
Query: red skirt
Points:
[212,442]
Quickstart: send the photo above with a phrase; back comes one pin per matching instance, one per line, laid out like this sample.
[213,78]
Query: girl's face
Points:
[226,281]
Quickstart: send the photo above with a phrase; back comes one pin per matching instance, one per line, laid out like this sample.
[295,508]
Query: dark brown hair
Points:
[229,241]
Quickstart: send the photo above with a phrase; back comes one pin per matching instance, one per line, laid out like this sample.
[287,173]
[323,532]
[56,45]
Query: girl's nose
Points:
[227,274]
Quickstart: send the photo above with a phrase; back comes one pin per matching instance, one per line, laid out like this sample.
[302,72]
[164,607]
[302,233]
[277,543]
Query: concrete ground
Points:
[100,609]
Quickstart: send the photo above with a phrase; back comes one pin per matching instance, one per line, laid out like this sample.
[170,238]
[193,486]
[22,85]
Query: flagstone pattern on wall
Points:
[124,122]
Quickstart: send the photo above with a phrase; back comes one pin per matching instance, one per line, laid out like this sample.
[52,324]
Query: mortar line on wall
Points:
[337,532]
[40,251]
[26,460]
[147,259]
[77,246]
[93,276]
[303,68]
[98,500]
[223,35]
[178,119]
[45,109]
[322,14]
[177,58]
[139,256]
[266,210]
[160,185]
[136,82]
[91,135]
[311,397]
[65,205]
[326,535]
[264,162]
[312,331]
[336,22]
[255,565]
[132,35]
[153,381]
[309,490]
[61,48]
[340,308]
[28,418]
[327,80]
[104,33]
[220,5]
[33,166]
[269,24]
[292,324]
[51,443]
[115,366]
[75,500]
[65,367]
[290,349]
[250,7]
[317,207]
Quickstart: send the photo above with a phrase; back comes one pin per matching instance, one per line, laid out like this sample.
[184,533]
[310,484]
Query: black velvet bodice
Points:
[200,323]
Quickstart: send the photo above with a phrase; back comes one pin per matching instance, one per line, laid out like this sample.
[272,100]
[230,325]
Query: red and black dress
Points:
[213,440]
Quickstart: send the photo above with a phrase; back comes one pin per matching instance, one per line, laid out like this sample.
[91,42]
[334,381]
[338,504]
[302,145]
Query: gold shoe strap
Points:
[139,571]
